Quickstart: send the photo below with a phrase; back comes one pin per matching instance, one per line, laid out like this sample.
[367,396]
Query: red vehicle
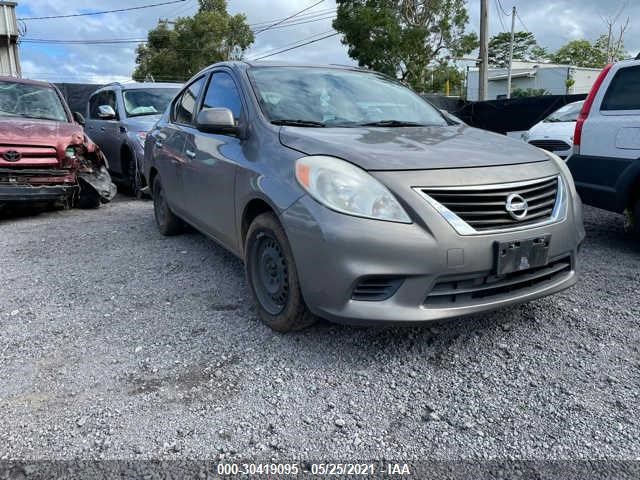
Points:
[44,154]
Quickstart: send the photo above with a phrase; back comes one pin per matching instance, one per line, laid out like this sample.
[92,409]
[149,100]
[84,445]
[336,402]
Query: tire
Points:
[168,223]
[88,198]
[273,278]
[131,181]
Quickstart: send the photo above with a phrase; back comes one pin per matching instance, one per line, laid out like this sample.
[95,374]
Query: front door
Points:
[105,131]
[211,164]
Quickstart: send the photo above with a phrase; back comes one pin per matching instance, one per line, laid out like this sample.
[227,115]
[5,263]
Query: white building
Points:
[524,75]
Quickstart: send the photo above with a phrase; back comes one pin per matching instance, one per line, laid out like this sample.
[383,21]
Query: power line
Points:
[498,7]
[289,17]
[128,9]
[504,12]
[295,47]
[323,11]
[108,41]
[80,42]
[296,42]
[522,23]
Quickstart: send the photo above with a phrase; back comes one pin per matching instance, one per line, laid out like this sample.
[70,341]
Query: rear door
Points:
[610,148]
[169,145]
[211,163]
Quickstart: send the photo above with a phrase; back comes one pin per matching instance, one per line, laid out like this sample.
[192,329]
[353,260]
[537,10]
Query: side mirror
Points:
[216,120]
[106,112]
[79,118]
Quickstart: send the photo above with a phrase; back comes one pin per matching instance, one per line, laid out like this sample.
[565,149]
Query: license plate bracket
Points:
[519,255]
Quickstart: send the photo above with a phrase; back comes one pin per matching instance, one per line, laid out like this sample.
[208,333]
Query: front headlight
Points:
[564,170]
[70,153]
[345,188]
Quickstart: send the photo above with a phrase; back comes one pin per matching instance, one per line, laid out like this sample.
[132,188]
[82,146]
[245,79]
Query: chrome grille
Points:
[485,208]
[551,145]
[30,156]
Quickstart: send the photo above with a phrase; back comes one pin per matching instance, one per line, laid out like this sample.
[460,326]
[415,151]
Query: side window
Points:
[222,92]
[107,97]
[110,99]
[185,105]
[94,103]
[623,93]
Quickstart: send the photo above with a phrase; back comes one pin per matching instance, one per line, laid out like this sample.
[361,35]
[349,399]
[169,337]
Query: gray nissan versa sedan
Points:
[349,197]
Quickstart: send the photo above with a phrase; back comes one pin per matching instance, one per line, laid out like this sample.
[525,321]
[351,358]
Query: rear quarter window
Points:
[624,91]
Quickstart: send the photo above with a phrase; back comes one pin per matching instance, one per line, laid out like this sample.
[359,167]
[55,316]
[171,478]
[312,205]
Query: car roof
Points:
[138,86]
[304,65]
[26,81]
[149,85]
[244,64]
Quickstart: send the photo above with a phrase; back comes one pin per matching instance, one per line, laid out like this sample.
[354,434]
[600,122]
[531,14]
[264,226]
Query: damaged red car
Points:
[44,154]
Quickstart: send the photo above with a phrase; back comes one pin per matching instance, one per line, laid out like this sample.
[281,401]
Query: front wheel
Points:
[273,278]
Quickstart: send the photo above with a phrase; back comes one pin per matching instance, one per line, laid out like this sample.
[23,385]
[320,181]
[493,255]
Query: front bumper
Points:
[33,185]
[334,252]
[21,193]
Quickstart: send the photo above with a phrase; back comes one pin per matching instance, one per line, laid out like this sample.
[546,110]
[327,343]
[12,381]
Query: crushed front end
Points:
[70,176]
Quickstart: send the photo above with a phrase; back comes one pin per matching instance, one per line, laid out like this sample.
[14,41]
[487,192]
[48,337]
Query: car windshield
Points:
[568,113]
[151,101]
[318,97]
[31,101]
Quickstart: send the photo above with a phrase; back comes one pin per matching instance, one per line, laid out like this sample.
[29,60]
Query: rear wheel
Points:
[273,278]
[168,223]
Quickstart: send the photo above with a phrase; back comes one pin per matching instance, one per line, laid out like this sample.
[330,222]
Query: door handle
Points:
[190,154]
[102,129]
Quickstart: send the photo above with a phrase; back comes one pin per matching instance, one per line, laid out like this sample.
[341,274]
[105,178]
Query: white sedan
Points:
[555,133]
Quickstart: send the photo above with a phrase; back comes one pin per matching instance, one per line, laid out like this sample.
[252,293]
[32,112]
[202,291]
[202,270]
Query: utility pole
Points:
[513,33]
[484,50]
[9,54]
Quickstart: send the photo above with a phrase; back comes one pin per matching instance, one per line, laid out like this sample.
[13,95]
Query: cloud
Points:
[554,22]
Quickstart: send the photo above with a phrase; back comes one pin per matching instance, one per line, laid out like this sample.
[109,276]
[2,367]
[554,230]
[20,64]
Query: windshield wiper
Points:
[37,117]
[393,123]
[298,123]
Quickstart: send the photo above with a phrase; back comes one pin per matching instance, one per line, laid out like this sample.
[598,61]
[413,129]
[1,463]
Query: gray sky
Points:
[554,22]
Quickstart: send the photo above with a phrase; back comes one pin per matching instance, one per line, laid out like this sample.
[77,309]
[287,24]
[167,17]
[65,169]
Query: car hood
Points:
[143,123]
[411,148]
[26,131]
[552,131]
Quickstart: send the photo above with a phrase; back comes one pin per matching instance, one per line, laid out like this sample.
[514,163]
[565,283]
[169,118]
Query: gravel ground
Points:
[119,343]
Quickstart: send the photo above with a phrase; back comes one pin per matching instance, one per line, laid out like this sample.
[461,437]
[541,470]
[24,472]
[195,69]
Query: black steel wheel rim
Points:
[270,274]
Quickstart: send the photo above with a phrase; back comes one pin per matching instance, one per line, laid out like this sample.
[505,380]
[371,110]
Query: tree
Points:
[580,53]
[178,51]
[403,38]
[612,49]
[539,54]
[438,76]
[523,44]
[529,92]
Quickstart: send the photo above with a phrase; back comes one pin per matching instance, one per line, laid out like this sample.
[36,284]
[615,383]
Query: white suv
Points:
[606,159]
